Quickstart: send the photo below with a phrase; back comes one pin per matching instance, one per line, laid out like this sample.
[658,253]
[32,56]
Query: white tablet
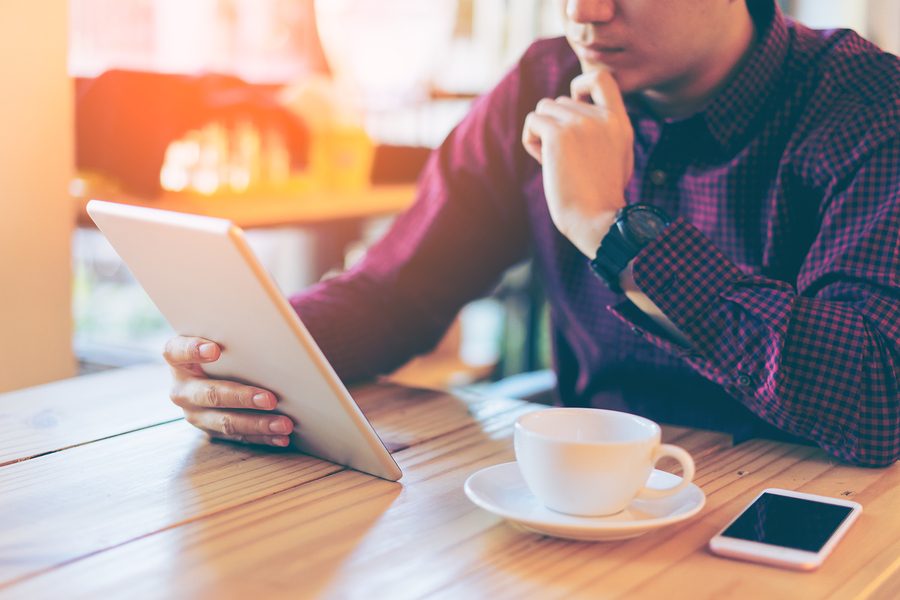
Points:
[204,278]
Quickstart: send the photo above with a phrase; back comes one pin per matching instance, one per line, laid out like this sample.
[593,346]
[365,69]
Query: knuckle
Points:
[191,418]
[175,394]
[228,426]
[243,398]
[169,350]
[212,397]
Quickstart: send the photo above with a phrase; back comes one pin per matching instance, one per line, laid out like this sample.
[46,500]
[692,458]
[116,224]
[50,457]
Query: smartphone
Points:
[787,529]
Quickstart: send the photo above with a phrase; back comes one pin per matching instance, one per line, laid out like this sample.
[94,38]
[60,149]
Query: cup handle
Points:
[687,468]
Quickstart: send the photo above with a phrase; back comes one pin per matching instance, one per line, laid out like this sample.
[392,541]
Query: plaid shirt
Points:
[782,267]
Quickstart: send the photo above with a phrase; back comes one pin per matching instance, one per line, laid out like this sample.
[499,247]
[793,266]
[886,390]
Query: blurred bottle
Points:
[276,159]
[229,158]
[341,151]
[206,175]
[245,158]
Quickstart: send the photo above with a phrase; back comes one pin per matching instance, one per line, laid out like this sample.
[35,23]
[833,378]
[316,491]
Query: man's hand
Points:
[223,409]
[587,155]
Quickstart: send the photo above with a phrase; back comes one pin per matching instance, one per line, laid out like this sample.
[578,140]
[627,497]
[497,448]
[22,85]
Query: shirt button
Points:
[668,283]
[658,177]
[637,331]
[743,380]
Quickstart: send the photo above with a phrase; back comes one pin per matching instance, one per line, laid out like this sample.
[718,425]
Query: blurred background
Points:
[304,121]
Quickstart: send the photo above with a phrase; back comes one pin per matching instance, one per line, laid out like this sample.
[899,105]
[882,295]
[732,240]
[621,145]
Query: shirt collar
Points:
[733,110]
[729,115]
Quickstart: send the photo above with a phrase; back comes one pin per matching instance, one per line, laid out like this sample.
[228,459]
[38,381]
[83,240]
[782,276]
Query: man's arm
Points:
[819,359]
[467,225]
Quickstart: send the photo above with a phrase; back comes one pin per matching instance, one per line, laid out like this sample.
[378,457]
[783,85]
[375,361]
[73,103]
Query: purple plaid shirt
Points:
[782,266]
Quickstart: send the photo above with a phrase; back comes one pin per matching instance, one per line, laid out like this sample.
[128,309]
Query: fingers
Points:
[223,409]
[240,426]
[215,407]
[576,108]
[537,128]
[601,87]
[531,141]
[215,393]
[279,441]
[184,351]
[560,110]
[546,118]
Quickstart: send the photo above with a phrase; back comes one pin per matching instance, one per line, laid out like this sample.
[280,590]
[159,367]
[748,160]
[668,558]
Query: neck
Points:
[691,92]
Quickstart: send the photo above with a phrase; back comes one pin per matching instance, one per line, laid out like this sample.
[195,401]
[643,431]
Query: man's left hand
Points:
[587,155]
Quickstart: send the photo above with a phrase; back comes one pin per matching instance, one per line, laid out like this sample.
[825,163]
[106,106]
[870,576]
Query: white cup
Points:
[591,462]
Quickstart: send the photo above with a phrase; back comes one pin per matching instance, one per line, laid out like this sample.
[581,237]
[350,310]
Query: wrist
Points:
[626,279]
[634,228]
[588,233]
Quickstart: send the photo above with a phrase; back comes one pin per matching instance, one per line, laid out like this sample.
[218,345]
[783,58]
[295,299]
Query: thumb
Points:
[600,87]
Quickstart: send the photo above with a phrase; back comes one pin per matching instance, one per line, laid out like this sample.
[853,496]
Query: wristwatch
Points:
[636,226]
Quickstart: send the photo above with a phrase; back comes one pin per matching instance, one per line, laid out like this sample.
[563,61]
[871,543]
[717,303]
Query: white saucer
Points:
[501,490]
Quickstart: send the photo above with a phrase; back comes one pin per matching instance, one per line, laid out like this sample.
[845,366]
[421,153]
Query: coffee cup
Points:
[592,462]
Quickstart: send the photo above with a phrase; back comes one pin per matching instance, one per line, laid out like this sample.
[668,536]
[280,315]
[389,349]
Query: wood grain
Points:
[133,485]
[58,415]
[307,532]
[163,513]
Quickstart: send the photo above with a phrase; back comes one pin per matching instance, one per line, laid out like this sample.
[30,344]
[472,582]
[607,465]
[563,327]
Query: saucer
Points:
[501,490]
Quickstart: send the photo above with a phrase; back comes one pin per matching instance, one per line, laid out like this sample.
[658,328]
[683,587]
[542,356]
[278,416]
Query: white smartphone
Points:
[787,529]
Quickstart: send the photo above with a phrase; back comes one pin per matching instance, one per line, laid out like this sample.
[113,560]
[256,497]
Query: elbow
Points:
[877,448]
[875,460]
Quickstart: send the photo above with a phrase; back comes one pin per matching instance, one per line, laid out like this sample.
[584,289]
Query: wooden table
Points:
[106,492]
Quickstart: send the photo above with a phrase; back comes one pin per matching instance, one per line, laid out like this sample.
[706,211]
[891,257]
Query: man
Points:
[752,284]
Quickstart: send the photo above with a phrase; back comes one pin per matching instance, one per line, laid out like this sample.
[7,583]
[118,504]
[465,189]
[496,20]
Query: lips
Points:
[603,50]
[601,53]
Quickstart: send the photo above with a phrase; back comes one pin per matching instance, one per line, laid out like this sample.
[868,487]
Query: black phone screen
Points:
[790,522]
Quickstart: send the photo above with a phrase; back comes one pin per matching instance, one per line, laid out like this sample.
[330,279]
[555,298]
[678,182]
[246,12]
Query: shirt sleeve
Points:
[819,357]
[466,226]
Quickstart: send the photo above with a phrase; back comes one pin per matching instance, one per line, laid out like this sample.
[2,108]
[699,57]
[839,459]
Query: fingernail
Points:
[207,350]
[280,441]
[263,400]
[280,426]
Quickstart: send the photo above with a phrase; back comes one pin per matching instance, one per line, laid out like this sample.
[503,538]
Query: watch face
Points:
[644,224]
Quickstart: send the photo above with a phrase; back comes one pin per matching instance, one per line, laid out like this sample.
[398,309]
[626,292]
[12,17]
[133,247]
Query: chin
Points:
[629,81]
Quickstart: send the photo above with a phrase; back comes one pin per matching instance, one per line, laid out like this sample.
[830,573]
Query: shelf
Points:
[262,210]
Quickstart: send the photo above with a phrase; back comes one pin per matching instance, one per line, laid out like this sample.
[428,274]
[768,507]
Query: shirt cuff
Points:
[683,274]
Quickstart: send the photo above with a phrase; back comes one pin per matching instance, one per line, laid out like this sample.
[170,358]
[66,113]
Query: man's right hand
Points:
[223,409]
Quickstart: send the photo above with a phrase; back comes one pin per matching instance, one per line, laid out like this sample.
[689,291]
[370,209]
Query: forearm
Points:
[815,367]
[822,368]
[360,331]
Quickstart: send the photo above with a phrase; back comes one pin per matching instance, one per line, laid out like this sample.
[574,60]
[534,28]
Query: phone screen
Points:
[791,522]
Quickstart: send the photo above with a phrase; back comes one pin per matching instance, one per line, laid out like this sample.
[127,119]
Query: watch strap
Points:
[613,256]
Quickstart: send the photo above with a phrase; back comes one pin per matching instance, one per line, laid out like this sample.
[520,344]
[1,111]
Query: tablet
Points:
[204,278]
